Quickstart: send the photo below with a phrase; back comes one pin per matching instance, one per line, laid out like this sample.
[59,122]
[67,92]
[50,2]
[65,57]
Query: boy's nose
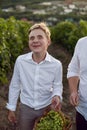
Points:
[35,39]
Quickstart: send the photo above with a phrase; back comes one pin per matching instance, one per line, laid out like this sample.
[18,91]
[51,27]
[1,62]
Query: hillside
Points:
[60,53]
[8,2]
[51,12]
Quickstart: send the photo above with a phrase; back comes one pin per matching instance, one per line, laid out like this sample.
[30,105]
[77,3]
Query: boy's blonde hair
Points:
[42,26]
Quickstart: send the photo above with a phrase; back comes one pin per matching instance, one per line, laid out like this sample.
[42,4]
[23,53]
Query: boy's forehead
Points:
[37,32]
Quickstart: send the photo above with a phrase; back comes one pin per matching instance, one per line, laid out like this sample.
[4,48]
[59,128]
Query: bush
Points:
[62,32]
[13,40]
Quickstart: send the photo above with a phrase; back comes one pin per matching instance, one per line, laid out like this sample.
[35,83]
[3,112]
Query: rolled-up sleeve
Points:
[74,65]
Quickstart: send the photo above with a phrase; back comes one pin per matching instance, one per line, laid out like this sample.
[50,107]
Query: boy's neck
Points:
[38,57]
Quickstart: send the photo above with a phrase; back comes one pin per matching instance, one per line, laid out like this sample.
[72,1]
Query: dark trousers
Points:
[81,123]
[28,116]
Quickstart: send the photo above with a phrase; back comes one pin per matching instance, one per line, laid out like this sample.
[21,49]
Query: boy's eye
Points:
[31,38]
[39,36]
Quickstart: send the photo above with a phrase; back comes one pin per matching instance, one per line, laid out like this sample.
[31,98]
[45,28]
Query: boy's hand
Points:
[56,104]
[12,117]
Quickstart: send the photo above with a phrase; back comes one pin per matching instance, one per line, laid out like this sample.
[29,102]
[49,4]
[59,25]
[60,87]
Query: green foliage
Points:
[4,52]
[13,40]
[62,32]
[17,36]
[4,63]
[83,27]
[78,32]
[67,33]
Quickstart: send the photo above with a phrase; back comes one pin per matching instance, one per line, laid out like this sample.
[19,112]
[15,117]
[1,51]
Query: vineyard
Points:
[14,41]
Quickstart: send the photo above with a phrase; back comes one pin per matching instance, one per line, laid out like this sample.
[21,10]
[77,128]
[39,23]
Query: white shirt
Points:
[78,67]
[36,83]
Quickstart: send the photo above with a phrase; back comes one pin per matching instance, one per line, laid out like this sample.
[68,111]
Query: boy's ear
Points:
[49,42]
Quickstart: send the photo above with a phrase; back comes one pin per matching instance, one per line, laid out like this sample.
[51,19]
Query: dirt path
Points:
[61,54]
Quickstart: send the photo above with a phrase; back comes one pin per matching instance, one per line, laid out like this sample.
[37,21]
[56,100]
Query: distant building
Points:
[20,8]
[8,10]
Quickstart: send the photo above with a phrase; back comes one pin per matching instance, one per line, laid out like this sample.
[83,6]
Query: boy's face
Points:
[38,41]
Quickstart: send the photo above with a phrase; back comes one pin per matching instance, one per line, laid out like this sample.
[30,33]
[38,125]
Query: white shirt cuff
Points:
[72,74]
[57,95]
[10,107]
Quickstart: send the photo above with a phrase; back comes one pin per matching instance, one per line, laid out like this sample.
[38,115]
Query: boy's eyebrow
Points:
[36,35]
[31,37]
[39,35]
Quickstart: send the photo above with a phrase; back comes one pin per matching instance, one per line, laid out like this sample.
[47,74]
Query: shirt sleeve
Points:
[14,89]
[74,65]
[57,85]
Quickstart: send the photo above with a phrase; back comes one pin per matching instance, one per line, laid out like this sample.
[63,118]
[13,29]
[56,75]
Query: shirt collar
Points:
[29,56]
[47,58]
